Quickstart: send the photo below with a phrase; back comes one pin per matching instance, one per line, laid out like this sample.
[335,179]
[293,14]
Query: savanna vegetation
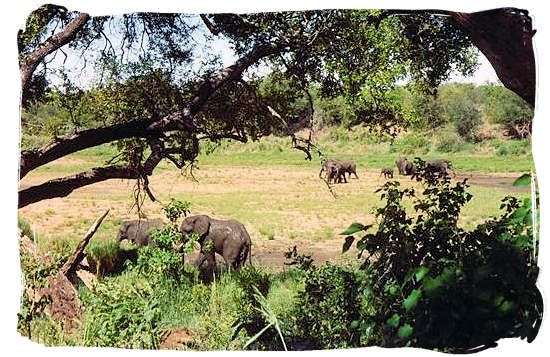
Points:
[162,128]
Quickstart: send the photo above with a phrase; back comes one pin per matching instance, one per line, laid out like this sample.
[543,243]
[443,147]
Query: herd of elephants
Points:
[230,239]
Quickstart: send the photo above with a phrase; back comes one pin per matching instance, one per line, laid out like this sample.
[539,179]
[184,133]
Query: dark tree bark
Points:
[29,63]
[504,36]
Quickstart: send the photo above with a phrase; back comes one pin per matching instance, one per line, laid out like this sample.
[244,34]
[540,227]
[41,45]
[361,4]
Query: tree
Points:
[509,110]
[357,54]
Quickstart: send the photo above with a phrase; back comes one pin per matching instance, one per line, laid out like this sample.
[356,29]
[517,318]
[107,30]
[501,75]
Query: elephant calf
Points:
[138,231]
[387,172]
[227,238]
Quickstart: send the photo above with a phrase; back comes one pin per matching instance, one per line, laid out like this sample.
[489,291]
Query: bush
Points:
[108,258]
[327,310]
[460,106]
[439,286]
[449,142]
[122,316]
[411,144]
[25,226]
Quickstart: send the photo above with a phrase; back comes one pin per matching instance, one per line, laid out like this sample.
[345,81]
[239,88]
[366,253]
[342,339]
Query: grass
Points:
[267,186]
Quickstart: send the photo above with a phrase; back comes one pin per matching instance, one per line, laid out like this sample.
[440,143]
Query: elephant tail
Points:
[249,254]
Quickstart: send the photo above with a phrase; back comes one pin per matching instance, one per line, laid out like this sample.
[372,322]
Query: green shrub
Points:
[25,226]
[440,286]
[328,309]
[122,316]
[412,143]
[449,142]
[502,150]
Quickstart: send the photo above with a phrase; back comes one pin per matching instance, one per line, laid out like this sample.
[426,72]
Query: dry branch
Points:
[73,261]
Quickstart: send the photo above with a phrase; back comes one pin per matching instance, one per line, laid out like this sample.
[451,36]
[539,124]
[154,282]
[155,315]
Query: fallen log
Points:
[64,304]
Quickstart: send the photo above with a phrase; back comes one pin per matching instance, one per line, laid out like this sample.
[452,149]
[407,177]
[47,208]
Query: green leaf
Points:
[354,228]
[523,180]
[411,301]
[404,331]
[354,324]
[420,273]
[347,243]
[394,320]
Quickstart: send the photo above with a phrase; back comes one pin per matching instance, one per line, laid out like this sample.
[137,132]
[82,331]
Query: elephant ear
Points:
[202,224]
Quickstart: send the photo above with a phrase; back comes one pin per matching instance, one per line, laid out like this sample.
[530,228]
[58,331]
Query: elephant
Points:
[138,231]
[404,166]
[441,166]
[350,168]
[387,172]
[335,171]
[228,238]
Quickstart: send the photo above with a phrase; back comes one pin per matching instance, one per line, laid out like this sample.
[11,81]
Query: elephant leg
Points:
[231,257]
[200,259]
[355,173]
[210,257]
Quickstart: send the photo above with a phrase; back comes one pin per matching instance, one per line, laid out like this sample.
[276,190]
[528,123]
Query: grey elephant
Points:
[335,171]
[227,238]
[387,172]
[349,167]
[404,166]
[441,166]
[138,231]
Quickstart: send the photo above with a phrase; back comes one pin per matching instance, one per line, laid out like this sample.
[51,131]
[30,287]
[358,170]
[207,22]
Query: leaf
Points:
[354,228]
[394,320]
[354,324]
[523,180]
[347,243]
[420,273]
[404,331]
[411,301]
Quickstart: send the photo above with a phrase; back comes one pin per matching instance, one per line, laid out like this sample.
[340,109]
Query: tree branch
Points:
[29,63]
[61,187]
[211,27]
[181,120]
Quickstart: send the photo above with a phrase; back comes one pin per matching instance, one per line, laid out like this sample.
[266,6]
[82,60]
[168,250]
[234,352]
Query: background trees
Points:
[141,57]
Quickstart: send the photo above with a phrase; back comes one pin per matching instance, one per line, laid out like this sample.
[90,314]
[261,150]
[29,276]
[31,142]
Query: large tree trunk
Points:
[29,63]
[504,36]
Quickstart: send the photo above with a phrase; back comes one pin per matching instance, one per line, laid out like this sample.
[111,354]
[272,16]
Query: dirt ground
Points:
[280,206]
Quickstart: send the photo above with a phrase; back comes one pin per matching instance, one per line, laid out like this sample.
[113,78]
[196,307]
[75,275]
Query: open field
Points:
[282,202]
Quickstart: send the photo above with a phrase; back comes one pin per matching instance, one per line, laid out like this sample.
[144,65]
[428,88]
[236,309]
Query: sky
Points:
[220,46]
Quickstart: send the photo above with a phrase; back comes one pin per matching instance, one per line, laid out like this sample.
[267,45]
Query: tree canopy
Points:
[158,90]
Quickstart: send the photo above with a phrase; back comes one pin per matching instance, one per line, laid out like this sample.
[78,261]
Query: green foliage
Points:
[523,180]
[255,316]
[163,259]
[35,273]
[25,226]
[461,107]
[507,109]
[449,141]
[123,317]
[439,286]
[328,308]
[411,144]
